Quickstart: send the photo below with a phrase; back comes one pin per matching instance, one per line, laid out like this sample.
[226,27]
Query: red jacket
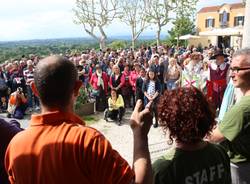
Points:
[94,79]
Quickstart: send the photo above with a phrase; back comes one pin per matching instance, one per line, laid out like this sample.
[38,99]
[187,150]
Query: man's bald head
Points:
[55,78]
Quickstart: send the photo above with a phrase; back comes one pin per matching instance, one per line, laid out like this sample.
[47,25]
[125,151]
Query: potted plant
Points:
[84,105]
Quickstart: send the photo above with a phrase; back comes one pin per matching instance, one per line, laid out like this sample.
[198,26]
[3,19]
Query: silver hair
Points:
[243,52]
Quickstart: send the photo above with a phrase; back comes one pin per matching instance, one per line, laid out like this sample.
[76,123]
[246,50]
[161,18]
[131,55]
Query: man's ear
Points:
[77,87]
[34,89]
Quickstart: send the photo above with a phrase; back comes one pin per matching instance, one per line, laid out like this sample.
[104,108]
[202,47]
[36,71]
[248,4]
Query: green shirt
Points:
[235,127]
[204,166]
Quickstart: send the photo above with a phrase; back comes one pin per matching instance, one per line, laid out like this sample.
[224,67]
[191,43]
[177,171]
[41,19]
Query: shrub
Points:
[83,98]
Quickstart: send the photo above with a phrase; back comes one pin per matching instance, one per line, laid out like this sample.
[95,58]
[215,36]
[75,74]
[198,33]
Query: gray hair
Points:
[243,52]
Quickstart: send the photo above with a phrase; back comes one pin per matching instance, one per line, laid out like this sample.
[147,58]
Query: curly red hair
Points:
[187,115]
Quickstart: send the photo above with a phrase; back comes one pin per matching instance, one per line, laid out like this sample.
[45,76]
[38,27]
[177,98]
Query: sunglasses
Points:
[237,69]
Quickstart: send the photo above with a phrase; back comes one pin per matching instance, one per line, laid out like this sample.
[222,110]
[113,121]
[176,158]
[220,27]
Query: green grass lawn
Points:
[91,119]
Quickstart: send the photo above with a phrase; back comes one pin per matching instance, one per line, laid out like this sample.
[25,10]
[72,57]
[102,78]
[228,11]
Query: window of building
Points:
[239,21]
[224,18]
[209,22]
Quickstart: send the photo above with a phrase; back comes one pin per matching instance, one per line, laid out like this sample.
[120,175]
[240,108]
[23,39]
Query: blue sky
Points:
[41,19]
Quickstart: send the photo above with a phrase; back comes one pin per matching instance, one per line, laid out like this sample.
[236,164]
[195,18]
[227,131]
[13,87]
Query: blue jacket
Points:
[157,86]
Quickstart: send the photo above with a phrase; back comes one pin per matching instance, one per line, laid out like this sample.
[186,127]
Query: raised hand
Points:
[141,120]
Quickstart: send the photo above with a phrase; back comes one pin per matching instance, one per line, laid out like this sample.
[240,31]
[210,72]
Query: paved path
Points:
[121,137]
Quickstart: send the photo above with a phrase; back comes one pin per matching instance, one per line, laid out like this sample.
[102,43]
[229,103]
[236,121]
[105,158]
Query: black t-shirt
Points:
[209,165]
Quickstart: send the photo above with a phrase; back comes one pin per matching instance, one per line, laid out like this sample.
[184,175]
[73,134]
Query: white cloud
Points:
[24,7]
[12,30]
[32,19]
[29,19]
[39,24]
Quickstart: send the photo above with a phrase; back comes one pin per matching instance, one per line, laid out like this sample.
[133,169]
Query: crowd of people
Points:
[182,88]
[17,97]
[141,74]
[148,71]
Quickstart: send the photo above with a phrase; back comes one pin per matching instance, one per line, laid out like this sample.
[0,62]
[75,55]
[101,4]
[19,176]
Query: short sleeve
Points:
[161,172]
[232,123]
[106,164]
[120,102]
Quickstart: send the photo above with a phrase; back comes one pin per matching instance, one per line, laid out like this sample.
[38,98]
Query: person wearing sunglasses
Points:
[234,130]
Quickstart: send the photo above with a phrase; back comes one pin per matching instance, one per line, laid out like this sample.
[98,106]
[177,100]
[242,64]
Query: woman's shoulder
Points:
[215,148]
[119,96]
[146,81]
[163,164]
[104,74]
[175,154]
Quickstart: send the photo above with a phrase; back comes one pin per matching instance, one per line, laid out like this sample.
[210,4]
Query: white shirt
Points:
[151,88]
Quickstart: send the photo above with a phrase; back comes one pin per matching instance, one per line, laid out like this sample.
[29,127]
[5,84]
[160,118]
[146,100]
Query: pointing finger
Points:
[138,105]
[147,110]
[148,106]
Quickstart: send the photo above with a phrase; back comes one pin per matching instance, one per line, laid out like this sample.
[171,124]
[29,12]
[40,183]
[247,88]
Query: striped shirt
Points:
[29,76]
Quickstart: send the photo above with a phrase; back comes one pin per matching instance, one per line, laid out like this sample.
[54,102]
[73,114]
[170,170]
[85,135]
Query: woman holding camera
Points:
[17,104]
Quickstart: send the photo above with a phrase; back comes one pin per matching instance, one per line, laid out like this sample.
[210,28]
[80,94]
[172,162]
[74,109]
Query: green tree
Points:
[94,16]
[133,14]
[185,8]
[158,14]
[182,26]
[118,44]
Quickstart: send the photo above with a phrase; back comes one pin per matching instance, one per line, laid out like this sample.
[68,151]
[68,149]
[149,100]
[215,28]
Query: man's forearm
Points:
[142,163]
[216,136]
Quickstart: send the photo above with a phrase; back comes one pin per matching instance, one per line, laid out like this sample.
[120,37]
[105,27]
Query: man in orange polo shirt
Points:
[57,147]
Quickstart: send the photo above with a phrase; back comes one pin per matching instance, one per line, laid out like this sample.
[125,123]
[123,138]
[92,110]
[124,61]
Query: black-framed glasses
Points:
[237,69]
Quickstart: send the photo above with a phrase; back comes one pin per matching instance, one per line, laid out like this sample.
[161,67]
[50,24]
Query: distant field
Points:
[16,49]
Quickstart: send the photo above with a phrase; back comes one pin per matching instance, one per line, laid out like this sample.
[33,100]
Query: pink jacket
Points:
[94,79]
[126,76]
[133,78]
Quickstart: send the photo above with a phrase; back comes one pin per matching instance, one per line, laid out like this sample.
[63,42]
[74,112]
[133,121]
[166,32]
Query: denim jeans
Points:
[171,84]
[30,97]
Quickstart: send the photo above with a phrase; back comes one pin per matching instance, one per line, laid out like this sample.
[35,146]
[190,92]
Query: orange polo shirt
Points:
[58,148]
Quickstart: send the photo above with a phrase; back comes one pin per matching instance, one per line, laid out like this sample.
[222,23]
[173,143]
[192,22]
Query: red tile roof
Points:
[209,9]
[216,8]
[237,5]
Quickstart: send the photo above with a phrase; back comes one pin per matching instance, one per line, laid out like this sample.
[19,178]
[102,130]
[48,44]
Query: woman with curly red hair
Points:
[187,118]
